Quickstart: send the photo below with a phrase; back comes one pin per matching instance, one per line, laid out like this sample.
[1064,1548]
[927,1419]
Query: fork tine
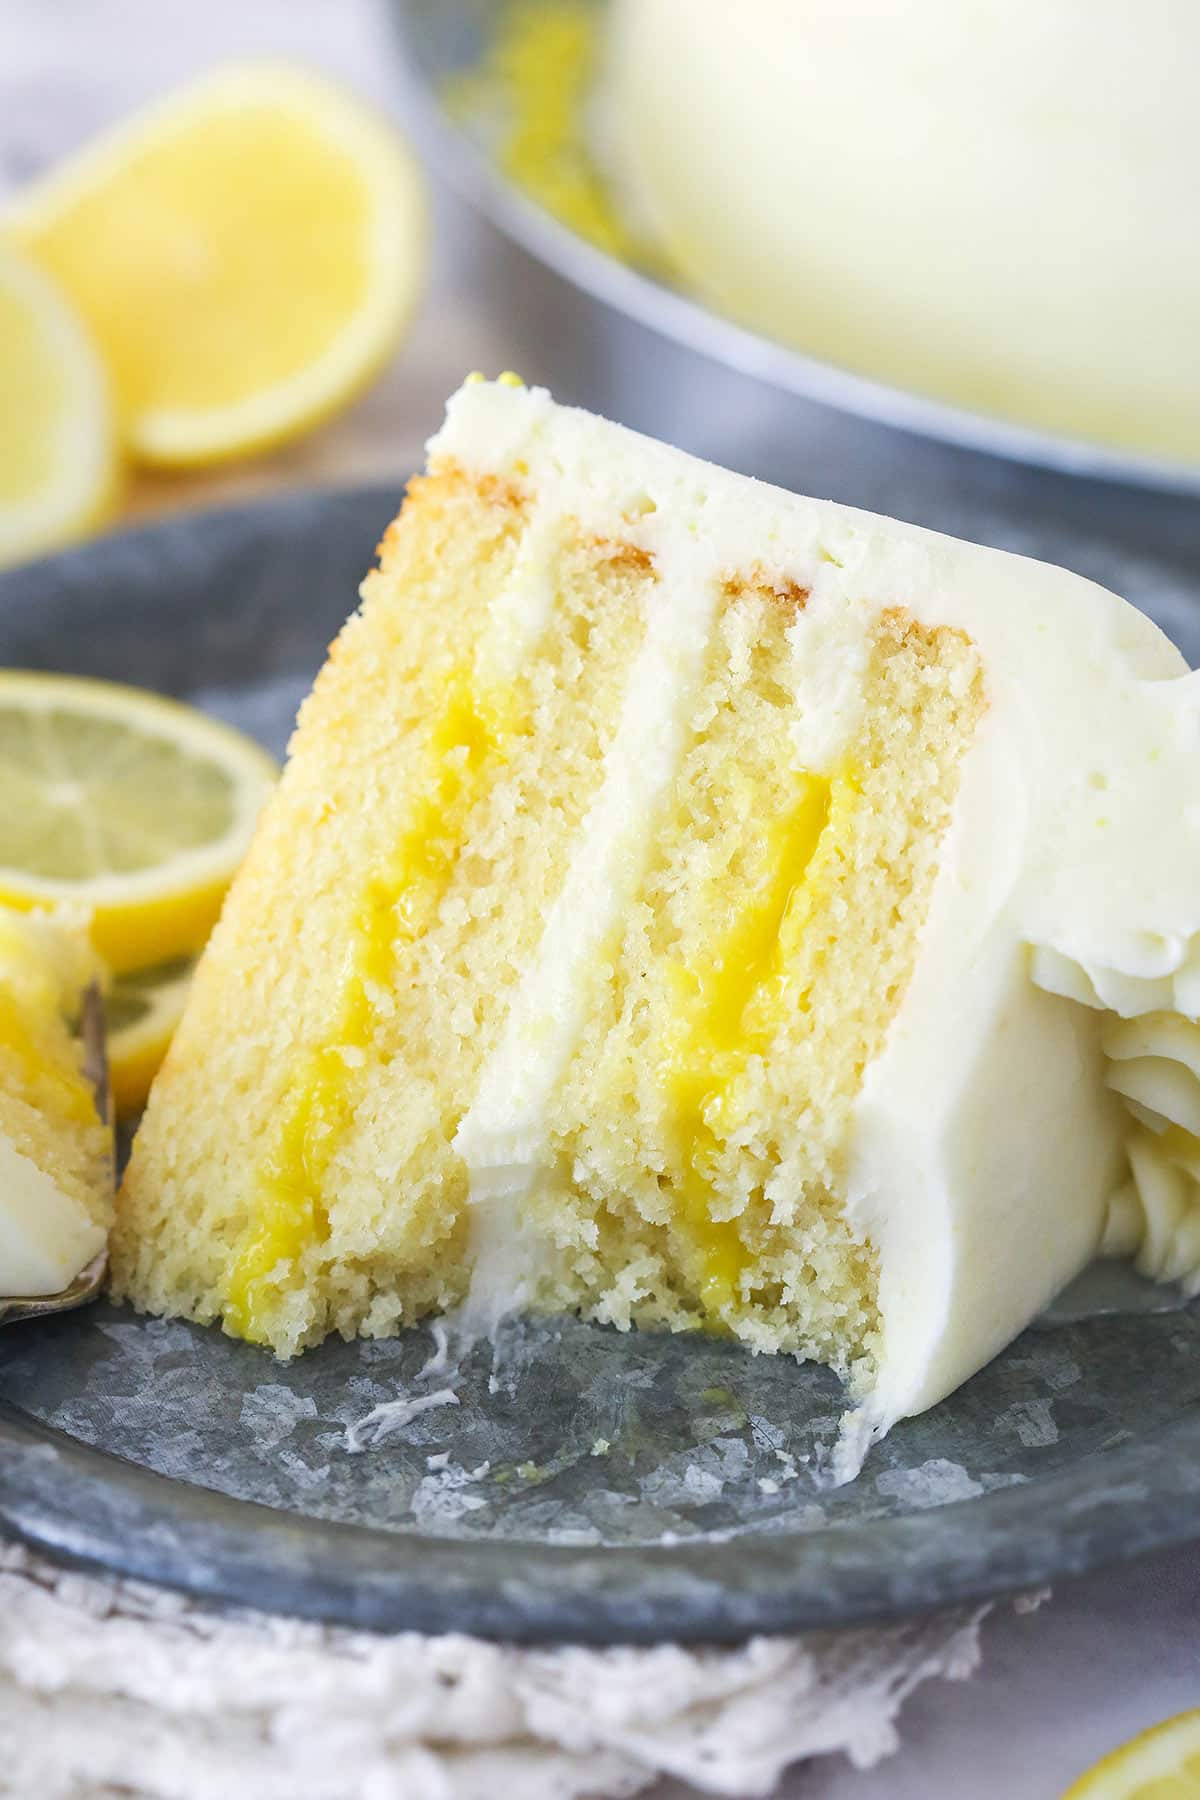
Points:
[95,1049]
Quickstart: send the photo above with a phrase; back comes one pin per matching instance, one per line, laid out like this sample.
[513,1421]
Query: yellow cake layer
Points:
[705,1116]
[47,1103]
[297,1171]
[428,807]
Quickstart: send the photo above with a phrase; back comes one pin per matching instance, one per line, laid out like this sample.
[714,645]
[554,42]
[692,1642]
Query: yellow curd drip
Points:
[464,750]
[51,1086]
[31,991]
[531,96]
[730,1010]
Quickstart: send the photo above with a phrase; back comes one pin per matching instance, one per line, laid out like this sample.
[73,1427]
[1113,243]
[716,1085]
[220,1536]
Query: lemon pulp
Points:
[36,396]
[142,1010]
[59,471]
[135,807]
[191,233]
[246,254]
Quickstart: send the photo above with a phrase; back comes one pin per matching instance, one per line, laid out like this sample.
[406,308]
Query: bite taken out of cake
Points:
[698,907]
[56,1175]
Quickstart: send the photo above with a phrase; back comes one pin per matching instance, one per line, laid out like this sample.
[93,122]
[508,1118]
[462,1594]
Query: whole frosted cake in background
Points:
[996,205]
[55,1151]
[700,907]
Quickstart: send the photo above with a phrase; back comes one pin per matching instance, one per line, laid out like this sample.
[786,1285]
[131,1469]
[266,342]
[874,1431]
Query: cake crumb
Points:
[392,1416]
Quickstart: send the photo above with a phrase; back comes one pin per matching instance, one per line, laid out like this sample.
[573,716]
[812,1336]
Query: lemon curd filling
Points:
[730,1009]
[32,1021]
[51,1086]
[464,752]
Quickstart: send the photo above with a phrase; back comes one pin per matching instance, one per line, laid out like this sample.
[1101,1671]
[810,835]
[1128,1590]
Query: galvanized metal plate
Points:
[609,1488]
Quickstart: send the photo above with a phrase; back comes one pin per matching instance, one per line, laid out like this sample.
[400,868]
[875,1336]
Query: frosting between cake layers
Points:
[501,1137]
[1075,846]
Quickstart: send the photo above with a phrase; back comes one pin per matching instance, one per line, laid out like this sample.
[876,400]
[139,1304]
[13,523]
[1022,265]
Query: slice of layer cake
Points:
[650,922]
[55,1151]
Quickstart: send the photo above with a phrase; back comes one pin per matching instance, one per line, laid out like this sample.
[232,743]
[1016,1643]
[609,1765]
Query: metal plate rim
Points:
[94,1510]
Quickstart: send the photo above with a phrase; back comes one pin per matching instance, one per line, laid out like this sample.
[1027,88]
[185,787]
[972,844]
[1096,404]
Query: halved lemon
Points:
[134,806]
[59,461]
[246,254]
[1160,1764]
[142,1010]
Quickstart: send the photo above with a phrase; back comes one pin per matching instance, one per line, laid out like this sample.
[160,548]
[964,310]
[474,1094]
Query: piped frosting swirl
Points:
[1151,1043]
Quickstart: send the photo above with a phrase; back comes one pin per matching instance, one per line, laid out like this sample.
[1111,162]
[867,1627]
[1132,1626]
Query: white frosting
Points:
[501,1138]
[986,1143]
[45,1237]
[522,606]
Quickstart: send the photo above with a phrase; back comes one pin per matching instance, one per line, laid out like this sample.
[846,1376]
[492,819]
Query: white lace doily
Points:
[109,1688]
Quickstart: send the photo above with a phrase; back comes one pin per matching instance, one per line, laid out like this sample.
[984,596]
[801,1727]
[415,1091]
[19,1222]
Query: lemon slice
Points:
[246,253]
[142,1010]
[1161,1764]
[133,806]
[58,445]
